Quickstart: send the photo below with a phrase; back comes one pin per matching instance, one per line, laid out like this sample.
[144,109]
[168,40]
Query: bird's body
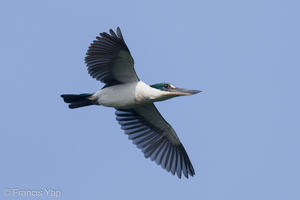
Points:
[109,61]
[128,95]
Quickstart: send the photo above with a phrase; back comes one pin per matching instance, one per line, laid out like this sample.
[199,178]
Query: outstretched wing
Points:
[109,60]
[156,138]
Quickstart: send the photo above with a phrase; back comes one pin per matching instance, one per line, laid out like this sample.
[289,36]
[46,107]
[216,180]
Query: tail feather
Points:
[78,100]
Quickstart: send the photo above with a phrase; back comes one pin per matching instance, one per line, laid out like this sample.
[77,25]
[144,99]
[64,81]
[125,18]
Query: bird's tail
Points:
[78,100]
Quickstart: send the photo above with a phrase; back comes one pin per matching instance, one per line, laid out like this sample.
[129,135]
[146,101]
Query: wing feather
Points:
[156,138]
[108,59]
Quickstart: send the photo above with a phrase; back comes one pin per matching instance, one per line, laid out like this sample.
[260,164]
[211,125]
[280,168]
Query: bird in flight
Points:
[108,60]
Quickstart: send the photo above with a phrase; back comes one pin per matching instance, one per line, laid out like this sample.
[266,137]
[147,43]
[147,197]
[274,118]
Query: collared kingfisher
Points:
[108,60]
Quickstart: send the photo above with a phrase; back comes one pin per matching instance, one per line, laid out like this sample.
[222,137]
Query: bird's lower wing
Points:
[150,132]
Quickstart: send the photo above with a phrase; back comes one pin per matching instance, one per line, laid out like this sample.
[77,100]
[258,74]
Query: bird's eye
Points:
[167,86]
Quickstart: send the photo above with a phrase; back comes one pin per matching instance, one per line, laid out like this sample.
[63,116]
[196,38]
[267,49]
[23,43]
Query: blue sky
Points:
[242,132]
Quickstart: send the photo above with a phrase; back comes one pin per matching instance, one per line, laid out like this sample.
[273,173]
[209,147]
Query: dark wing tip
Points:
[188,169]
[102,54]
[119,33]
[106,46]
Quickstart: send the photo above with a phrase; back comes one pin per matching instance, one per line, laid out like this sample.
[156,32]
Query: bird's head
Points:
[173,91]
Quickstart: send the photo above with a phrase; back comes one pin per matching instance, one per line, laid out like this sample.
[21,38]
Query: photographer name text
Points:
[17,192]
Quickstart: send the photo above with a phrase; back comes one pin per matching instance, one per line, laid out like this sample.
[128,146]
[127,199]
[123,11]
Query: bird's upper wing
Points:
[109,60]
[156,138]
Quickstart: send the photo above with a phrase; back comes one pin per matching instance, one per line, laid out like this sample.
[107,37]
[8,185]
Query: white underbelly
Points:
[117,96]
[127,95]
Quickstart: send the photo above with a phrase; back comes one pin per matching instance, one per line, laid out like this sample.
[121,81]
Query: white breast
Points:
[145,93]
[127,95]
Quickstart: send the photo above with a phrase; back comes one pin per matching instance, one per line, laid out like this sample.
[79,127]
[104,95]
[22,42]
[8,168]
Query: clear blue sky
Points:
[242,132]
